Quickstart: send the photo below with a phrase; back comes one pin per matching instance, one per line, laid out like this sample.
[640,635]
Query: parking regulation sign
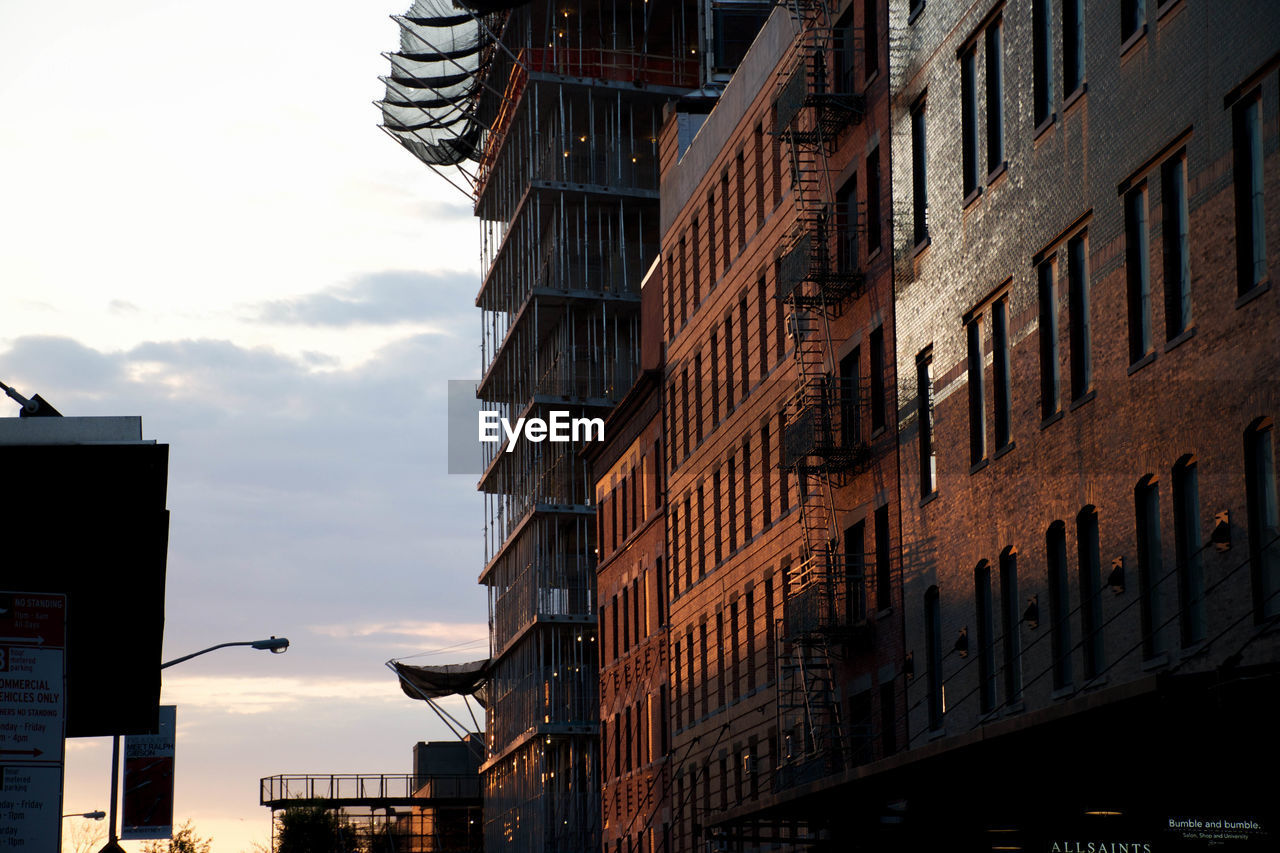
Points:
[32,719]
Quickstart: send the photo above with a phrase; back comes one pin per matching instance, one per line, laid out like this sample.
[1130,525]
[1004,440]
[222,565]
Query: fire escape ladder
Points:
[819,274]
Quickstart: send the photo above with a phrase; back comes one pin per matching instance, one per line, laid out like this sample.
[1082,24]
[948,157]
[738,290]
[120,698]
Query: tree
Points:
[184,840]
[314,829]
[83,836]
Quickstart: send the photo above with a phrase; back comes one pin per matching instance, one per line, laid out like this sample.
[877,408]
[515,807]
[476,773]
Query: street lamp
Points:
[275,645]
[98,815]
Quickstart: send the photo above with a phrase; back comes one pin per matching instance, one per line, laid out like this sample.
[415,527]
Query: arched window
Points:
[986,637]
[1090,568]
[1264,518]
[1059,604]
[1146,512]
[933,655]
[1011,616]
[1190,557]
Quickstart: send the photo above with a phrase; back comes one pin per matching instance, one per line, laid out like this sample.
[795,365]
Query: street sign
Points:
[32,719]
[148,781]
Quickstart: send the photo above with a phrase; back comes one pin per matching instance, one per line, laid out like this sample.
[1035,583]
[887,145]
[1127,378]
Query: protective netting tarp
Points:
[431,105]
[450,679]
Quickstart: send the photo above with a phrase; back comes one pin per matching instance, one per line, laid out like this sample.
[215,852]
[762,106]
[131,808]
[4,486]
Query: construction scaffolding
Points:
[547,115]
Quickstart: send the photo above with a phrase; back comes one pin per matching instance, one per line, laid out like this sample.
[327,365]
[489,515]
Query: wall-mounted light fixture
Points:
[1115,580]
[1221,535]
[1032,614]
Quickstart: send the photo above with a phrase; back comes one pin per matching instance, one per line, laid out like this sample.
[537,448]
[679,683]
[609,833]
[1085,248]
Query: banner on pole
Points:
[148,781]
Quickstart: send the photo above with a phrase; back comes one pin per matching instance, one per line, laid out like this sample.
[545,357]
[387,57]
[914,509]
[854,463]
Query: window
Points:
[846,42]
[986,637]
[1132,18]
[1138,273]
[715,504]
[883,559]
[995,95]
[750,621]
[855,547]
[919,193]
[1190,565]
[1042,46]
[741,186]
[699,275]
[766,476]
[747,530]
[731,486]
[1011,616]
[784,481]
[1089,565]
[1059,604]
[969,119]
[1078,305]
[1146,508]
[688,540]
[888,720]
[776,151]
[1251,243]
[850,428]
[878,379]
[684,285]
[779,315]
[977,406]
[846,226]
[697,396]
[702,535]
[759,174]
[711,239]
[743,370]
[675,688]
[924,404]
[722,665]
[1072,46]
[873,201]
[684,409]
[1177,250]
[870,38]
[1264,519]
[1003,390]
[762,326]
[728,362]
[724,217]
[933,655]
[1050,369]
[715,379]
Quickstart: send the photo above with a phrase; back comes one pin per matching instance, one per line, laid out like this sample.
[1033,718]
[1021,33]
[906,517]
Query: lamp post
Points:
[275,645]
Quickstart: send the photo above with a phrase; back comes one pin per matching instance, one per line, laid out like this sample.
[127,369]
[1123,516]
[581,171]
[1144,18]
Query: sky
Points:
[201,224]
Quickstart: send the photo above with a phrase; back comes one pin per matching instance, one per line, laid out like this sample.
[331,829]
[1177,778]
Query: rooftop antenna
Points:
[36,407]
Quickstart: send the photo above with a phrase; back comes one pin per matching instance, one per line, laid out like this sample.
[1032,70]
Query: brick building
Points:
[631,586]
[1087,208]
[782,488]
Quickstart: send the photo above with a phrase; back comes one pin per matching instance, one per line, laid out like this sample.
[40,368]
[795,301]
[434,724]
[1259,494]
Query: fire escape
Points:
[824,600]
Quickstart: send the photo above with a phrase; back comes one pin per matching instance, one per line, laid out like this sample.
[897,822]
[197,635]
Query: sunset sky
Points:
[203,225]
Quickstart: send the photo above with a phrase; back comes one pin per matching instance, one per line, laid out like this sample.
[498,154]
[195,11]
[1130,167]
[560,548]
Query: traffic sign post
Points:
[32,719]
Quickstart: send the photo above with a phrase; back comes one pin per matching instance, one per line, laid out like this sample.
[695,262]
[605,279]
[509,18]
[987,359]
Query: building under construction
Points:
[547,115]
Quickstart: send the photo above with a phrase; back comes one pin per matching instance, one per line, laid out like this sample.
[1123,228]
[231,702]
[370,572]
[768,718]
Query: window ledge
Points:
[974,195]
[934,734]
[1051,420]
[1158,662]
[979,465]
[929,498]
[1074,97]
[878,431]
[920,246]
[916,14]
[1253,293]
[1163,8]
[1180,338]
[1063,692]
[1194,649]
[1043,127]
[1095,682]
[1132,41]
[1142,362]
[995,173]
[1086,397]
[1003,450]
[869,79]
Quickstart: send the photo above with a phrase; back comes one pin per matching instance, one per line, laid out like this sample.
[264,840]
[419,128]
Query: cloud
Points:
[381,298]
[122,306]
